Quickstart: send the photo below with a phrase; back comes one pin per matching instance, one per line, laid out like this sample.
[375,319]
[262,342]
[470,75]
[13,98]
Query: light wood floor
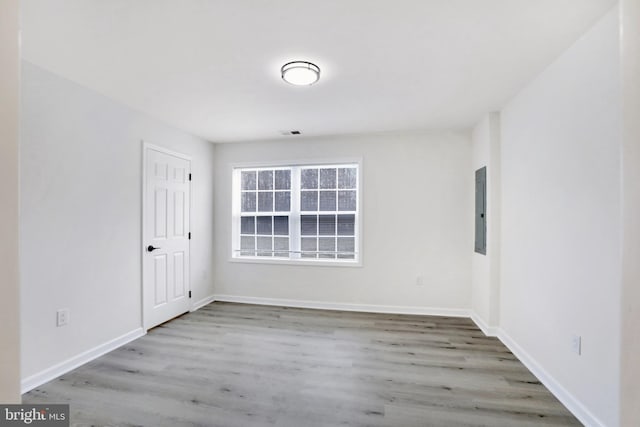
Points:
[245,365]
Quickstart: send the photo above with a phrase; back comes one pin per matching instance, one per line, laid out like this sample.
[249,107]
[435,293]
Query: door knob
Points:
[150,248]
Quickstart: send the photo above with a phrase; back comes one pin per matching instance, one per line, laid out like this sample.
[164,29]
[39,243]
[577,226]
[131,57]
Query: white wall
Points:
[485,271]
[9,137]
[561,220]
[630,336]
[416,215]
[80,233]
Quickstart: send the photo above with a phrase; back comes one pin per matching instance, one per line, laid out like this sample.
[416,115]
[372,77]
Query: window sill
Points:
[318,263]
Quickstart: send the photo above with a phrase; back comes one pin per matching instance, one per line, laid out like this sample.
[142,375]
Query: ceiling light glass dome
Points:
[300,73]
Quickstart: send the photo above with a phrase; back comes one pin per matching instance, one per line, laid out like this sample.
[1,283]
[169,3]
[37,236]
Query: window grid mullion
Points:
[294,218]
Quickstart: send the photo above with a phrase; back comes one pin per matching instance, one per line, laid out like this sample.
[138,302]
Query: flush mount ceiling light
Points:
[300,73]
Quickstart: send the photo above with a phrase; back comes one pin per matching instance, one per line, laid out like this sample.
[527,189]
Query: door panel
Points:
[178,213]
[160,279]
[160,216]
[165,236]
[179,269]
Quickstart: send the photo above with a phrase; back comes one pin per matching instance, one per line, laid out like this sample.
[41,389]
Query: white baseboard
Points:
[204,301]
[368,308]
[55,371]
[486,329]
[574,405]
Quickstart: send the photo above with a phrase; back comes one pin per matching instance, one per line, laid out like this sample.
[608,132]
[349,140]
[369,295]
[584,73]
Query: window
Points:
[297,213]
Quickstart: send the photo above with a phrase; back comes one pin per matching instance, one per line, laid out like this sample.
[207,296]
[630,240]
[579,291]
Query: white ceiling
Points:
[211,67]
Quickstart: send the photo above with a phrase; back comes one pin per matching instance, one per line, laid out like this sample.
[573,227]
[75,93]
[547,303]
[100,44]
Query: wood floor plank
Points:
[244,365]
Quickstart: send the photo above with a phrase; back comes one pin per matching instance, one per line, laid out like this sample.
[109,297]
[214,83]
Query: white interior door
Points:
[165,235]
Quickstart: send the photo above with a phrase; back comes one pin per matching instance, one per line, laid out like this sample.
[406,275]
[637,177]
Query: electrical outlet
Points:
[419,281]
[62,317]
[576,344]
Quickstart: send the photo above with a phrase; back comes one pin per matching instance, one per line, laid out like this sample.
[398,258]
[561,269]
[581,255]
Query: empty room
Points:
[320,213]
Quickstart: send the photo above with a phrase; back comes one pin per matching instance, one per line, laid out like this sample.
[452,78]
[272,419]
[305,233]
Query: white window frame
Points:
[294,218]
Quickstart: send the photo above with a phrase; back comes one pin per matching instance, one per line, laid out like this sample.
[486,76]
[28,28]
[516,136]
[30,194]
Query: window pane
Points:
[281,225]
[346,200]
[249,180]
[283,179]
[346,225]
[265,202]
[309,178]
[347,178]
[346,244]
[248,202]
[281,244]
[309,225]
[247,242]
[265,180]
[327,200]
[309,201]
[327,225]
[283,201]
[248,225]
[248,246]
[328,178]
[327,244]
[309,244]
[264,246]
[264,225]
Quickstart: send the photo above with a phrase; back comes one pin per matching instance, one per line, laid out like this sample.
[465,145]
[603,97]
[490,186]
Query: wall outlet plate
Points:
[62,317]
[576,344]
